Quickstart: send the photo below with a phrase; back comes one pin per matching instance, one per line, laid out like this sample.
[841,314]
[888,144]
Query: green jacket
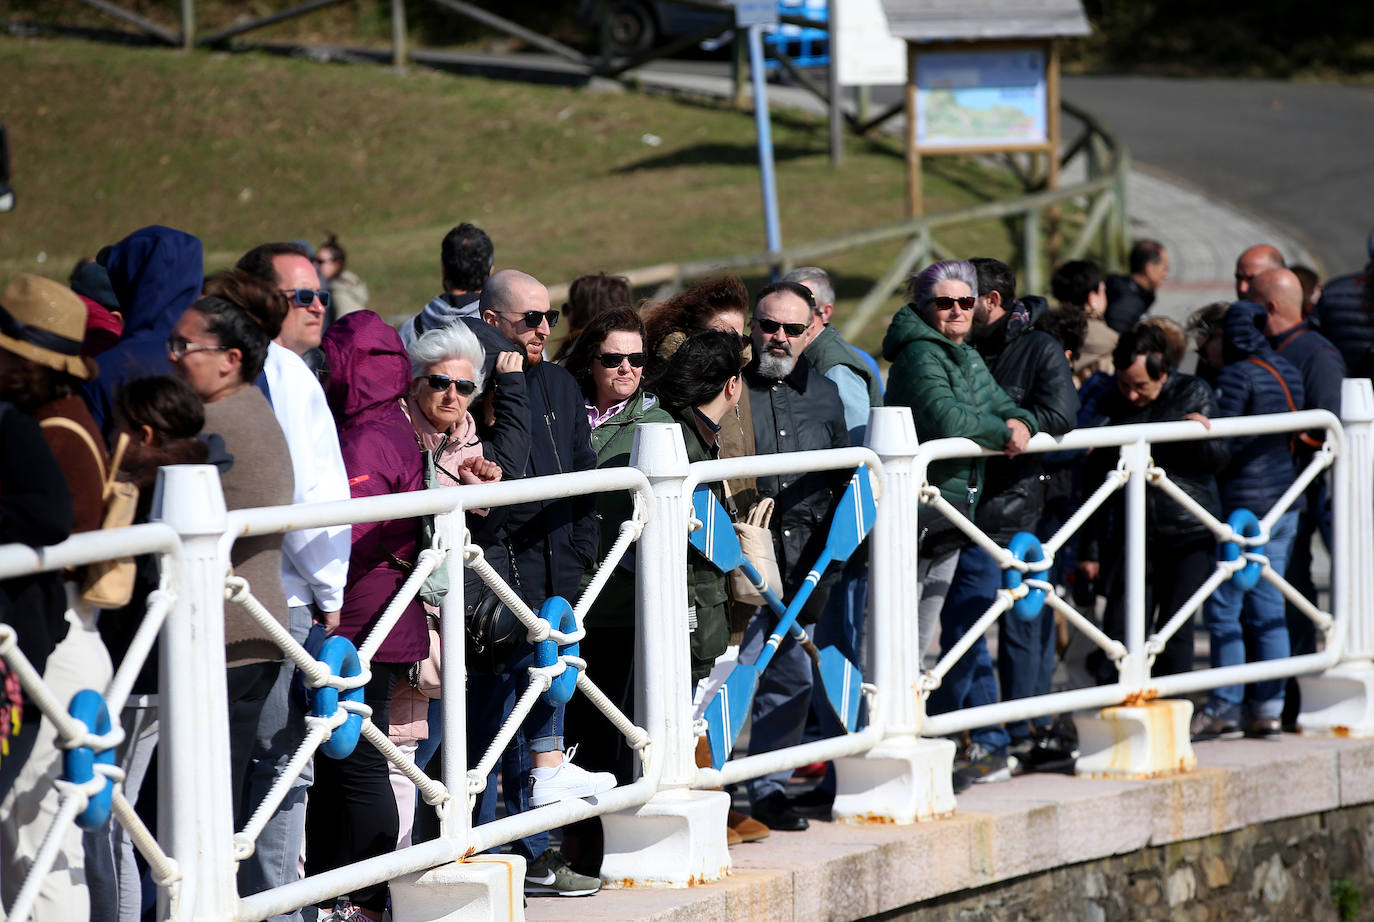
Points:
[612,441]
[708,591]
[951,394]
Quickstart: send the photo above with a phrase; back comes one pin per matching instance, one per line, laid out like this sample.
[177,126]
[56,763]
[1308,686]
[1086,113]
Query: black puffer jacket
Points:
[1028,364]
[1348,320]
[1191,465]
[801,412]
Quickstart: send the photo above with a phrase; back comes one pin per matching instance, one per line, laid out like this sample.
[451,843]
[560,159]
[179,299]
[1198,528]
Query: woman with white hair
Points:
[445,374]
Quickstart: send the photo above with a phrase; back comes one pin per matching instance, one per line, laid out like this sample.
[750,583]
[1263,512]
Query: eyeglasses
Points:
[945,303]
[772,326]
[305,297]
[444,382]
[613,359]
[178,347]
[534,318]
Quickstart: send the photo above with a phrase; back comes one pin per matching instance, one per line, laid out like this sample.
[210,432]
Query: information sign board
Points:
[980,98]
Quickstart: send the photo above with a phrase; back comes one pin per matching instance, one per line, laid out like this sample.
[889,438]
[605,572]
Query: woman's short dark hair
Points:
[1067,323]
[30,385]
[1075,280]
[698,370]
[244,313]
[165,405]
[331,242]
[588,345]
[1149,341]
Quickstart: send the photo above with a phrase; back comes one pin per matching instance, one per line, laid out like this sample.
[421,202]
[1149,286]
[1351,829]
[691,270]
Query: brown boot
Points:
[745,827]
[732,838]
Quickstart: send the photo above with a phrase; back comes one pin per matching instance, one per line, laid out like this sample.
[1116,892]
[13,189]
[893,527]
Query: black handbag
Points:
[493,632]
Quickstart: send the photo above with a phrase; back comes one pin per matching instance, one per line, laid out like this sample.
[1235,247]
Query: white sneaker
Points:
[568,782]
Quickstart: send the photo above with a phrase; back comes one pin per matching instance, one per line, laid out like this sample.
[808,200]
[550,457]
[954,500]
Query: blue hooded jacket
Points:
[1261,466]
[156,273]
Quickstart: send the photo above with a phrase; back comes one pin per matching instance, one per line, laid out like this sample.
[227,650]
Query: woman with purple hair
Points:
[951,394]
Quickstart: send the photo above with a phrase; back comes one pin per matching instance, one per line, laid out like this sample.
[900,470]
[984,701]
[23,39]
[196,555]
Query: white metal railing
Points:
[196,848]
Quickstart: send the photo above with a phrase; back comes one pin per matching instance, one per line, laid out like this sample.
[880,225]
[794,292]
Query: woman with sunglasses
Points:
[608,361]
[218,347]
[446,373]
[951,394]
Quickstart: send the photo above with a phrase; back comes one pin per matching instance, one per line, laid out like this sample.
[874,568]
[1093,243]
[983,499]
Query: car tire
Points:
[633,27]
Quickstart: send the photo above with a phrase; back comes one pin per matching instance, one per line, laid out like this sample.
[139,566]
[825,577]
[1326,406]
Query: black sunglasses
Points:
[444,382]
[534,318]
[944,303]
[772,326]
[306,296]
[613,359]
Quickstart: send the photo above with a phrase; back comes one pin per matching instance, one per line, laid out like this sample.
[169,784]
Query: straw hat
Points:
[45,322]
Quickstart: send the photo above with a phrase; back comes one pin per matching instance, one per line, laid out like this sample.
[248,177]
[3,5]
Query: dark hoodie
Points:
[1261,466]
[156,273]
[368,373]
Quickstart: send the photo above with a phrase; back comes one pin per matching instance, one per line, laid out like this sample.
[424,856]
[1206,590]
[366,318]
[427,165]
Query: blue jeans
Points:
[1252,622]
[1025,664]
[491,698]
[281,727]
[782,702]
[970,682]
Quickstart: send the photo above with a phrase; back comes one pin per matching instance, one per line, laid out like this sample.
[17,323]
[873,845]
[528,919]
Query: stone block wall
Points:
[1270,872]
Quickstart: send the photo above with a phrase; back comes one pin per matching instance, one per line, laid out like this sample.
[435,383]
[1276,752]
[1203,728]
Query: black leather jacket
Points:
[1191,465]
[1028,364]
[801,412]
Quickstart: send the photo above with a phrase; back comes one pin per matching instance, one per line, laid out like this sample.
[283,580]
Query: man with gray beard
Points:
[795,408]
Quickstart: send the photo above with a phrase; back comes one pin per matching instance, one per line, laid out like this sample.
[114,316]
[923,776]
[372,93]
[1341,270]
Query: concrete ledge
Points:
[999,832]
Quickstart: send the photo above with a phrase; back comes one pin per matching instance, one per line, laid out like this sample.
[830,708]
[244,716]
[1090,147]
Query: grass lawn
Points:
[239,149]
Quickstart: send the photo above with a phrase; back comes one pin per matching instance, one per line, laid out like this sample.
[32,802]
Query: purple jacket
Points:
[368,372]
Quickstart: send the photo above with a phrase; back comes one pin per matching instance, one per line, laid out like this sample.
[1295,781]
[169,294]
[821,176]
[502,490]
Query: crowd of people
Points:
[276,372]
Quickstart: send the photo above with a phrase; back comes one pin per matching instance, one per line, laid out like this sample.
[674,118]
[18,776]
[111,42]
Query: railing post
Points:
[904,778]
[1149,738]
[1031,250]
[678,837]
[1341,700]
[195,812]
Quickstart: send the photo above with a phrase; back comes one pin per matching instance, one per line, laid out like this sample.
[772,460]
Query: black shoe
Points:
[815,802]
[776,813]
[984,767]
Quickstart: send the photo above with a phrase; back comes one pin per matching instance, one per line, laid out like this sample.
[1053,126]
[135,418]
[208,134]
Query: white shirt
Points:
[314,561]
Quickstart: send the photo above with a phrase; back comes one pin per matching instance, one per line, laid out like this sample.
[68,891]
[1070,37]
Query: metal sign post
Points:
[751,16]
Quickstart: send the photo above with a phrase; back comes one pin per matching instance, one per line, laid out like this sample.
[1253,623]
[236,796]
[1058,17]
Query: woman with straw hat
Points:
[42,324]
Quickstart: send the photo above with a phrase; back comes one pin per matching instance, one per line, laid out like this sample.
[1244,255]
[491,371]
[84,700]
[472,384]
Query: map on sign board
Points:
[975,98]
[756,12]
[868,54]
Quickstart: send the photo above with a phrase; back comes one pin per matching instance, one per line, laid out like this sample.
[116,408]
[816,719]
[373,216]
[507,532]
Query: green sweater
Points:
[951,394]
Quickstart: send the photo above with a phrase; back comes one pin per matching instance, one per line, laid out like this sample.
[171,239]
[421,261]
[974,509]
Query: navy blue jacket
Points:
[1322,370]
[1346,318]
[156,273]
[554,541]
[1127,302]
[1261,466]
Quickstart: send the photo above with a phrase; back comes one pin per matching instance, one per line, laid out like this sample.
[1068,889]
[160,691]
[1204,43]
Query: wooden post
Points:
[399,54]
[188,24]
[737,60]
[913,153]
[836,103]
[1031,278]
[1052,127]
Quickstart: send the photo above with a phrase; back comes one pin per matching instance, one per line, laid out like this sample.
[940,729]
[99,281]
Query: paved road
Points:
[1298,155]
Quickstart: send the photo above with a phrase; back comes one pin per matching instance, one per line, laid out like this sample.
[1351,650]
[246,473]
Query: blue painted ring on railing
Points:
[79,762]
[559,614]
[1026,547]
[1247,525]
[339,654]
